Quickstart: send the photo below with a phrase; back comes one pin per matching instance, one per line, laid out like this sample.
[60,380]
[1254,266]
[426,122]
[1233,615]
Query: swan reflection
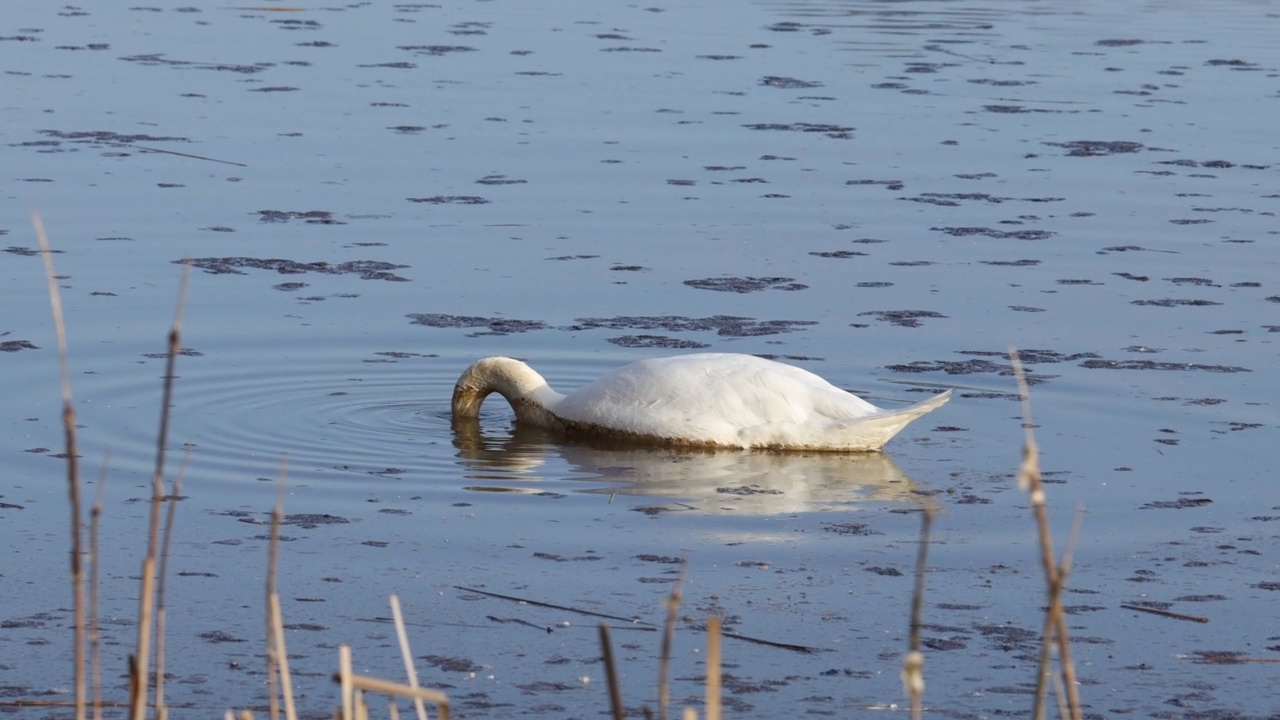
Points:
[709,481]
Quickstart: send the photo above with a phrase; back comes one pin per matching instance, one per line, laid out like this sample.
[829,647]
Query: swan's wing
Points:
[710,397]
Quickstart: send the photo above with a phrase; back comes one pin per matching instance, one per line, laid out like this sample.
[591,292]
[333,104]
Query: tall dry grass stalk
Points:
[713,681]
[611,674]
[668,641]
[73,470]
[354,686]
[162,710]
[913,663]
[277,654]
[95,568]
[411,672]
[1055,634]
[141,665]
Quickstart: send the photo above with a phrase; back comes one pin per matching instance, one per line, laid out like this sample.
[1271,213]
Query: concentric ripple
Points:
[344,423]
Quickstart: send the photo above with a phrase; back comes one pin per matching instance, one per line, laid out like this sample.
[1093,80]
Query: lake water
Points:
[890,194]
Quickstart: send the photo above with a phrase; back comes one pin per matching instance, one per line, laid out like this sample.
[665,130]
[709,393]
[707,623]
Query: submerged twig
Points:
[553,606]
[1165,613]
[73,469]
[187,155]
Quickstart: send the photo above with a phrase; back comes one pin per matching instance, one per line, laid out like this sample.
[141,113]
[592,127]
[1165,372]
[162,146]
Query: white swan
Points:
[701,400]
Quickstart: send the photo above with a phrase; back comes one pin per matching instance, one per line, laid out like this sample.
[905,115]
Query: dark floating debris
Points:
[850,529]
[496,326]
[1103,364]
[499,180]
[657,341]
[311,217]
[106,136]
[837,132]
[723,325]
[1131,276]
[787,83]
[1097,148]
[451,200]
[746,284]
[1175,302]
[954,199]
[1011,263]
[184,352]
[1233,64]
[888,184]
[998,234]
[1132,248]
[1179,504]
[366,269]
[839,254]
[435,50]
[160,59]
[902,318]
[16,345]
[980,364]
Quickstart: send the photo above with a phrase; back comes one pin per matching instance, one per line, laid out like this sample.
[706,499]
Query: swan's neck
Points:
[530,396]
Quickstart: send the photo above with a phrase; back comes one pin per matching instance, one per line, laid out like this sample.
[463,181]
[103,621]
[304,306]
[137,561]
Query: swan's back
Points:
[733,400]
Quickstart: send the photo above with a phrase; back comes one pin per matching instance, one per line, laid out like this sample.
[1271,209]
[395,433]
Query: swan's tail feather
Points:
[873,431]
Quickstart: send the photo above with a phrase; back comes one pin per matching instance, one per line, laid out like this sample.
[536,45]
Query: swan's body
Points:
[700,400]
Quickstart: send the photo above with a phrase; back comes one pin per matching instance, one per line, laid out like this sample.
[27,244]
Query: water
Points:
[897,192]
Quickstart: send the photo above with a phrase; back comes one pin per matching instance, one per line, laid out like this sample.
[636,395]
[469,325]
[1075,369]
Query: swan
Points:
[708,400]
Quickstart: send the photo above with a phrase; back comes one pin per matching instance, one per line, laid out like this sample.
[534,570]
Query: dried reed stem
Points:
[402,635]
[913,663]
[282,655]
[712,709]
[1029,479]
[147,600]
[668,640]
[162,710]
[345,682]
[140,660]
[611,674]
[95,567]
[273,555]
[362,683]
[73,470]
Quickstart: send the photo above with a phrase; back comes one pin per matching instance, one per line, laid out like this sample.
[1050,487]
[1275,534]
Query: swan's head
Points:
[521,385]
